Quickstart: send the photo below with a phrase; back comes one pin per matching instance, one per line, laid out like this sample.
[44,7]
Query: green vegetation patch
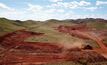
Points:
[7,26]
[98,25]
[51,35]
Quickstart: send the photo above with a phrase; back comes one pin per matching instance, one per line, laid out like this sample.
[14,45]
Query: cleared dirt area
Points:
[87,33]
[16,51]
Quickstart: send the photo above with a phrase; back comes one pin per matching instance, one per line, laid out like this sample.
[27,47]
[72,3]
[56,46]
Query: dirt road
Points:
[87,34]
[16,50]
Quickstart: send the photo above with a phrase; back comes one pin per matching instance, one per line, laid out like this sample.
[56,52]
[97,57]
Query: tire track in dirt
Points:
[54,53]
[15,39]
[87,34]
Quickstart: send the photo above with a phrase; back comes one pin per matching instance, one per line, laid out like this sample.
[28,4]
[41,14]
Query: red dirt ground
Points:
[86,33]
[17,51]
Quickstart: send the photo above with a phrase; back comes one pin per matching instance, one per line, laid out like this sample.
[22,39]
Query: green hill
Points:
[48,27]
[7,26]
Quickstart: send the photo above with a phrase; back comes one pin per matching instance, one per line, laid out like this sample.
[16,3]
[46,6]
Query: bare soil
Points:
[17,51]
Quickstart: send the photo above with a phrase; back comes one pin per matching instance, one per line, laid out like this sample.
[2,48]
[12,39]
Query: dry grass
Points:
[52,35]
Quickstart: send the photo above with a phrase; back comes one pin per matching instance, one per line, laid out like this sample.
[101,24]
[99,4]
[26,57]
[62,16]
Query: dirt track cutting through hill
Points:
[16,50]
[87,34]
[15,40]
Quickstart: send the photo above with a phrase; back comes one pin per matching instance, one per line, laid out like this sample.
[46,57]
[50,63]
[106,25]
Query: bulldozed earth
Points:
[15,50]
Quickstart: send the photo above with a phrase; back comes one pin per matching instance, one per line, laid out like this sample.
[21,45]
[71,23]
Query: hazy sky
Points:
[53,9]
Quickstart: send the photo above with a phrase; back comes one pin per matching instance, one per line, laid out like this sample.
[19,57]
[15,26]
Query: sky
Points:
[52,9]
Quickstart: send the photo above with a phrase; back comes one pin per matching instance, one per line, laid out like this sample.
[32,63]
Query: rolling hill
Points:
[67,33]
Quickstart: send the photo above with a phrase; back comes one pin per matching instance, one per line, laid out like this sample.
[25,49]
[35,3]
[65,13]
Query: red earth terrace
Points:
[17,51]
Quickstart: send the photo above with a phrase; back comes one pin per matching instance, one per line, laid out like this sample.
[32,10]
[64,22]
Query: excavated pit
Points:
[16,50]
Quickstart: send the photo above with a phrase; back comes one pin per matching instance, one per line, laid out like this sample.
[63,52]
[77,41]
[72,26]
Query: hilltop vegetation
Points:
[7,25]
[52,35]
[48,27]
